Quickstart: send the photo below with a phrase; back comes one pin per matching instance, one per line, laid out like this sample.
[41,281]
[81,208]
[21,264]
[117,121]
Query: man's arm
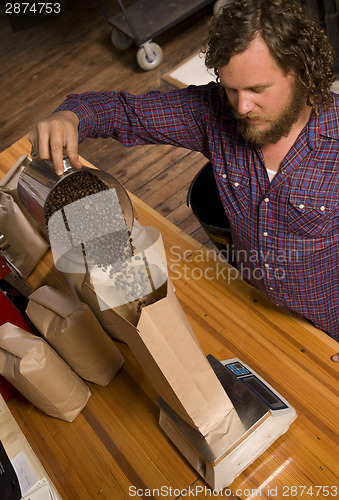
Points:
[177,118]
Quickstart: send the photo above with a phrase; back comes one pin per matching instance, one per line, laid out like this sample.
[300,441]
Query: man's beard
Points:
[280,126]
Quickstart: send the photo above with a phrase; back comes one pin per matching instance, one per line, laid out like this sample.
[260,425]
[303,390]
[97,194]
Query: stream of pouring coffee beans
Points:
[109,252]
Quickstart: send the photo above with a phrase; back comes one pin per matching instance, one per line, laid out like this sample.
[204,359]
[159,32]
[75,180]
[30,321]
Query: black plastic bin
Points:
[204,199]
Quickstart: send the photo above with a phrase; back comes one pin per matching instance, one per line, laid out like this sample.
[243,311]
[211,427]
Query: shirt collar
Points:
[326,124]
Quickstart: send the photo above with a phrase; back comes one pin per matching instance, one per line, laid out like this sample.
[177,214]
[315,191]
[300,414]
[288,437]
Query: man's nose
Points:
[244,103]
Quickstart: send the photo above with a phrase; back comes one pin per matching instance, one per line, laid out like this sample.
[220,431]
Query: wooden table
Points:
[115,448]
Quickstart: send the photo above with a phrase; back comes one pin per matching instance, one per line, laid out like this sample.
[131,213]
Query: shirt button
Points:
[265,233]
[270,288]
[267,265]
[224,176]
[266,200]
[322,208]
[301,206]
[236,184]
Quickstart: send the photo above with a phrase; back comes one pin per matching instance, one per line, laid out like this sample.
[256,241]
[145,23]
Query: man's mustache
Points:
[250,116]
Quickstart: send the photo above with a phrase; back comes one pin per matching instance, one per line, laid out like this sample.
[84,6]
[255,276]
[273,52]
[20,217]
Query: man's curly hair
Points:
[295,39]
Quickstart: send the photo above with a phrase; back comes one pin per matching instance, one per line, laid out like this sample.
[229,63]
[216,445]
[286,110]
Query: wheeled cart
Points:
[146,19]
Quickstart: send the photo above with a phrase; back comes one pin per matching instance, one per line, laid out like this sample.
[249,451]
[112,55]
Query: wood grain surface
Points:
[115,446]
[73,54]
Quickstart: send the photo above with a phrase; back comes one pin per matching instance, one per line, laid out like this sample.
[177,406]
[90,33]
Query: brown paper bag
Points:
[71,328]
[24,245]
[37,371]
[166,348]
[81,285]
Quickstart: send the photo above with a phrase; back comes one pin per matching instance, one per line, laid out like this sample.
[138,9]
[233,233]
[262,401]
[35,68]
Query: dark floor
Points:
[73,53]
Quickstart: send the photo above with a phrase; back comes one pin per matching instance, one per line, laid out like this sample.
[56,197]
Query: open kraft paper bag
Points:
[159,336]
[71,328]
[81,286]
[174,362]
[167,349]
[39,373]
[25,245]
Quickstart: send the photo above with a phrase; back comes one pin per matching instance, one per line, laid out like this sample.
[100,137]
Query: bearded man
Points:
[269,126]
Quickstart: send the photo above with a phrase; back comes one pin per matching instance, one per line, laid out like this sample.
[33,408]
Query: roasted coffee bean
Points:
[97,228]
[72,188]
[102,243]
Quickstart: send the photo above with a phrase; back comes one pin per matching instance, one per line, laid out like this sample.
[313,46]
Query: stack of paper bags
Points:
[39,373]
[71,328]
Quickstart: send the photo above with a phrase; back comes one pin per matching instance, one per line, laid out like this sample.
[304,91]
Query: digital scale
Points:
[259,417]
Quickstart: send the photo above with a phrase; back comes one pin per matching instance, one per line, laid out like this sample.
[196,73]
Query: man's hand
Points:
[56,136]
[335,357]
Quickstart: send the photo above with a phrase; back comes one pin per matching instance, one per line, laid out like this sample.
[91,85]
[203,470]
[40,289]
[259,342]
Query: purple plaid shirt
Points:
[285,234]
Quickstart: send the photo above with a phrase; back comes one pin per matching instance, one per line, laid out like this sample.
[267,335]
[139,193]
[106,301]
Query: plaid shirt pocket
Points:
[235,189]
[312,214]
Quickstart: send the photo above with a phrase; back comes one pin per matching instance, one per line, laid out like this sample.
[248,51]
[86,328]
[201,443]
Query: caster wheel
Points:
[119,40]
[147,63]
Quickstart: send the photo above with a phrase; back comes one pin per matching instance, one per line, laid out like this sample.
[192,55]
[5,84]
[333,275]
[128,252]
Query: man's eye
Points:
[258,90]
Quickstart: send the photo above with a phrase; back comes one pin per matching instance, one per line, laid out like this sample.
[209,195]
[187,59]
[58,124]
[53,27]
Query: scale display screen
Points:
[257,385]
